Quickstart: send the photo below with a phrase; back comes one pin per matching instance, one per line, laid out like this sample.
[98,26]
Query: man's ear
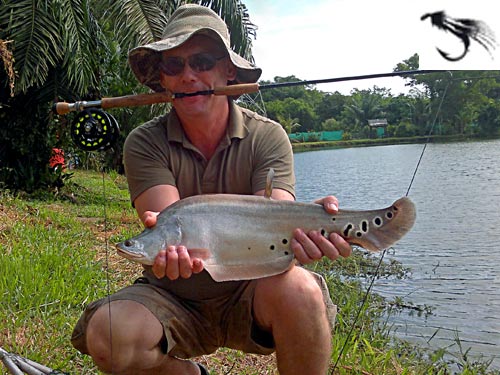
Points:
[163,82]
[230,71]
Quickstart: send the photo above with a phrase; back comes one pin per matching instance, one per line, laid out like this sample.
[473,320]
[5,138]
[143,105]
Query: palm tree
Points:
[288,123]
[72,49]
[364,106]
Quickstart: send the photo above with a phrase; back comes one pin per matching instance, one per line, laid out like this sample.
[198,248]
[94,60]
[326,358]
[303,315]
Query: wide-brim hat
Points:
[187,21]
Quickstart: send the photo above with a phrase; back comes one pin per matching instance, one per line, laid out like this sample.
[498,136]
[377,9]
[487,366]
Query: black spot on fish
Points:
[347,229]
[333,219]
[377,221]
[323,232]
[286,252]
[359,234]
[364,226]
[284,241]
[272,247]
[249,248]
[389,215]
[394,208]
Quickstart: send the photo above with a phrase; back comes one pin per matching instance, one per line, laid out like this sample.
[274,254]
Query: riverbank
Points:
[309,146]
[57,255]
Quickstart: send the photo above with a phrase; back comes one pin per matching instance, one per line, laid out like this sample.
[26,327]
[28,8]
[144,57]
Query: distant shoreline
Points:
[310,146]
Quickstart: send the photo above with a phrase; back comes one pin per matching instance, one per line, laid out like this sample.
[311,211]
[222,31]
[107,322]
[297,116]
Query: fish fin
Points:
[393,223]
[235,272]
[202,254]
[269,184]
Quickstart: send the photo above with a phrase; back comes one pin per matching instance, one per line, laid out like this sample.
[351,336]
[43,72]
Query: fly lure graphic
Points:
[464,29]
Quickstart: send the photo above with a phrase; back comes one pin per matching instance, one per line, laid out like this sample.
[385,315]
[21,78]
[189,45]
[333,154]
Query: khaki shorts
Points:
[194,328]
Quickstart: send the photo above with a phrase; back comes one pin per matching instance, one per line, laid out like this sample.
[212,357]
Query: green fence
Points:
[335,135]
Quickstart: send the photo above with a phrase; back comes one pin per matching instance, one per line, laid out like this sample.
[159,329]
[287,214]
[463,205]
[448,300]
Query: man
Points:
[207,144]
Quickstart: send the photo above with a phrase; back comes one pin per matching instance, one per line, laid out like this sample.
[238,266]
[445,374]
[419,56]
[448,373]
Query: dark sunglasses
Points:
[199,62]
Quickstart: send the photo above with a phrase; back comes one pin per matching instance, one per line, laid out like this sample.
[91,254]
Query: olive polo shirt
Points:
[159,152]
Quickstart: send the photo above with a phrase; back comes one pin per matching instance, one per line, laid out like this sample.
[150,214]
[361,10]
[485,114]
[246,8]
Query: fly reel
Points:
[94,130]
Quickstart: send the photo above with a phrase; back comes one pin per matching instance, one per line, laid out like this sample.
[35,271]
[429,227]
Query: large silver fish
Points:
[241,237]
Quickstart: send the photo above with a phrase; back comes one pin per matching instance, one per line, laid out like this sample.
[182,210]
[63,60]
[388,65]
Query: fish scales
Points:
[241,237]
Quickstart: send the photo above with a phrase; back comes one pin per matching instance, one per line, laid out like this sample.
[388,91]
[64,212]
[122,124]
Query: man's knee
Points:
[293,292]
[118,332]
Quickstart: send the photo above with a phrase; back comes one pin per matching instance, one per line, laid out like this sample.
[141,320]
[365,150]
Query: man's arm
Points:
[153,200]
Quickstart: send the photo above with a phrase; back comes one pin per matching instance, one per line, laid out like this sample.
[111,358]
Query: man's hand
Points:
[312,246]
[174,261]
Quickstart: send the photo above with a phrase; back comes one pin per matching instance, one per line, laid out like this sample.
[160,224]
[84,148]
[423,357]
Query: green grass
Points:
[54,257]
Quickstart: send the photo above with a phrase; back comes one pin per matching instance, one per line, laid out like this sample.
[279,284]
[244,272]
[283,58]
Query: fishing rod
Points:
[97,130]
[63,108]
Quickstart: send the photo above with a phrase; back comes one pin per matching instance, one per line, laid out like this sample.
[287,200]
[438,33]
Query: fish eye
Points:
[128,243]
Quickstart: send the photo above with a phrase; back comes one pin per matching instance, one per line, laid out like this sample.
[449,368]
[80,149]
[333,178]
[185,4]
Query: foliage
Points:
[77,50]
[7,65]
[458,103]
[25,150]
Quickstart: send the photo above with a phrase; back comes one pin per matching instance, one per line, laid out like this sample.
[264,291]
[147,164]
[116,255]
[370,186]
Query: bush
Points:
[28,137]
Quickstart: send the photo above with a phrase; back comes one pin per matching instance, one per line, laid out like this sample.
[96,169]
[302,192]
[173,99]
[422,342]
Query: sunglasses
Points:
[199,62]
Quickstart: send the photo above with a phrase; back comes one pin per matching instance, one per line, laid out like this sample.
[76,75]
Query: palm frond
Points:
[8,64]
[81,37]
[236,16]
[32,26]
[138,21]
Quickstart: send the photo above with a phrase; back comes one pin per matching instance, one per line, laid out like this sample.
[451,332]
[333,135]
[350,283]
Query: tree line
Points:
[457,102]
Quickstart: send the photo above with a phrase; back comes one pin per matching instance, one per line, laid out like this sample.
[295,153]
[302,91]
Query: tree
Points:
[364,105]
[331,106]
[288,123]
[411,63]
[72,50]
[51,43]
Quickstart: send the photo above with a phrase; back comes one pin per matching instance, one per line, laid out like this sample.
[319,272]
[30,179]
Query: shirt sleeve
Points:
[274,151]
[146,162]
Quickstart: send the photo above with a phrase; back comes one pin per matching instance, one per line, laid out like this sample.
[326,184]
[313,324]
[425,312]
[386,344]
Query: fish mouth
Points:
[128,254]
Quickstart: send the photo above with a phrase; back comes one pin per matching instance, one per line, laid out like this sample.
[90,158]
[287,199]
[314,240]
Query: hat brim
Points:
[144,60]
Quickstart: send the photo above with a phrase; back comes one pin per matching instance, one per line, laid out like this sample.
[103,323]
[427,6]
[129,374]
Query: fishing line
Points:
[430,133]
[106,247]
[377,269]
[365,299]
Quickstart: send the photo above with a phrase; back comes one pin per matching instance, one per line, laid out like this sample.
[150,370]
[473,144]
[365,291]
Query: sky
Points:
[319,39]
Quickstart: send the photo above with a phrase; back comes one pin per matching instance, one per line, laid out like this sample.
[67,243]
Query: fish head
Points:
[137,249]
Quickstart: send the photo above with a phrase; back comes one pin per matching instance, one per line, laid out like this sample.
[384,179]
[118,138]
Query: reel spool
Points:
[94,130]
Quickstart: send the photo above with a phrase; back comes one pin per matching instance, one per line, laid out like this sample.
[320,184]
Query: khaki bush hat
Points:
[187,21]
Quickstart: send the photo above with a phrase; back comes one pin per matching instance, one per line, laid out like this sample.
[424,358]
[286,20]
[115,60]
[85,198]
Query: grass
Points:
[57,255]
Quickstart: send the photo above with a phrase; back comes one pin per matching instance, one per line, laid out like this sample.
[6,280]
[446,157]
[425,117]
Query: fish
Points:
[245,237]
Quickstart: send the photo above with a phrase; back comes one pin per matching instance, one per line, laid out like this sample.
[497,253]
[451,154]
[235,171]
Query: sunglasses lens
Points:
[172,66]
[202,62]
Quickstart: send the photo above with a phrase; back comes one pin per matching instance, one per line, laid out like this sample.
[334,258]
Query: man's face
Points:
[190,80]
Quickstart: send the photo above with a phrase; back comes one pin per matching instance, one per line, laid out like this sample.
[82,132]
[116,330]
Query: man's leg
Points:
[135,348]
[292,307]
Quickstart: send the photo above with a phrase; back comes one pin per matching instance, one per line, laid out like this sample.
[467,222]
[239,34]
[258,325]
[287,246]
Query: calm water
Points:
[453,250]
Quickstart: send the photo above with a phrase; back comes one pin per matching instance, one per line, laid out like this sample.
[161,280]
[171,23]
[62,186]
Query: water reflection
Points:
[453,250]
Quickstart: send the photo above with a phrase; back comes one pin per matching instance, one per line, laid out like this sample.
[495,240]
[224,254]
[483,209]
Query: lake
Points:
[453,250]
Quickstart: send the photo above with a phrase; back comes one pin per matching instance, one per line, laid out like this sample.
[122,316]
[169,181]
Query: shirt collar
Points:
[236,127]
